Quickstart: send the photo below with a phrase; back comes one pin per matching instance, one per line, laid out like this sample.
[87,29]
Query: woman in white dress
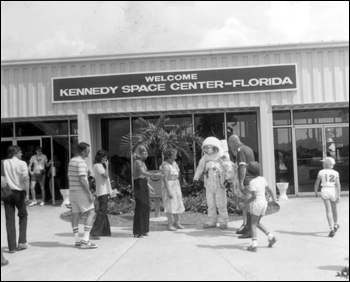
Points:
[172,196]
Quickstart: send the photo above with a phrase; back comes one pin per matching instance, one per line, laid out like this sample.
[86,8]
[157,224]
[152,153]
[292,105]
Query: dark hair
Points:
[100,155]
[169,153]
[12,150]
[81,147]
[38,148]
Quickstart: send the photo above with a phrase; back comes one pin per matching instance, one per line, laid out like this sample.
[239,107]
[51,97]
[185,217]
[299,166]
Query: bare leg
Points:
[90,218]
[327,204]
[75,219]
[42,186]
[262,227]
[32,190]
[335,212]
[254,223]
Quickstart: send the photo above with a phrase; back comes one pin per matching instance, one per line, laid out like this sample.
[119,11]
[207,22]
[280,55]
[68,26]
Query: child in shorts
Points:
[330,192]
[258,205]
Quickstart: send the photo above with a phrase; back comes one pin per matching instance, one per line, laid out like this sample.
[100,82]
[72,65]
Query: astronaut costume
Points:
[217,169]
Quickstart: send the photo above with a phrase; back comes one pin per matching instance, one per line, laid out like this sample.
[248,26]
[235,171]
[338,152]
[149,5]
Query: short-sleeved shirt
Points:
[328,178]
[103,185]
[16,172]
[245,155]
[258,185]
[138,164]
[39,162]
[77,167]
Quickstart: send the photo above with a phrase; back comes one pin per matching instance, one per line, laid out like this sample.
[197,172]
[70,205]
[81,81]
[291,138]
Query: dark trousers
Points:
[142,208]
[16,200]
[101,225]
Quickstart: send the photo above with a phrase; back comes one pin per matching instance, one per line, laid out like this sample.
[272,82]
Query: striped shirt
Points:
[77,167]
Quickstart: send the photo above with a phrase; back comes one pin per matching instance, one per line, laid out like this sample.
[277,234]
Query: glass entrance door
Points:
[28,147]
[337,147]
[309,149]
[315,143]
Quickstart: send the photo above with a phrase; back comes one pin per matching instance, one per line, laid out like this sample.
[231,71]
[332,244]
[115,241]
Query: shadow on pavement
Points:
[50,245]
[302,233]
[331,267]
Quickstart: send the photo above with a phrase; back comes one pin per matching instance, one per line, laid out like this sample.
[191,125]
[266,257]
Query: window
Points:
[322,116]
[7,129]
[120,163]
[281,118]
[284,157]
[41,128]
[244,125]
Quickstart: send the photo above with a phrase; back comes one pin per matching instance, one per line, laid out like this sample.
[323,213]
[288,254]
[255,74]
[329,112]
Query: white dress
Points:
[174,205]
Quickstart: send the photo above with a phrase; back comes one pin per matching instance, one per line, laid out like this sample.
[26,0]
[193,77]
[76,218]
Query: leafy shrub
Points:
[194,198]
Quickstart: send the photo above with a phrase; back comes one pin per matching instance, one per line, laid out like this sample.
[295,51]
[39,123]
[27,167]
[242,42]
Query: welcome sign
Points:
[175,83]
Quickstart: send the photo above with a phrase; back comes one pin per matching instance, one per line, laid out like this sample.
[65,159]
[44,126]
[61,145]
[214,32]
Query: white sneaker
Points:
[42,204]
[32,204]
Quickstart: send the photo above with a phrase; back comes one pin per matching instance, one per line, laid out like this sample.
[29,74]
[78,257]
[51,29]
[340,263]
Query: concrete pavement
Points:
[303,251]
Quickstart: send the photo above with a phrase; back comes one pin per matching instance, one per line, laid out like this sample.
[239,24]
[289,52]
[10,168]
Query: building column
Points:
[84,133]
[267,142]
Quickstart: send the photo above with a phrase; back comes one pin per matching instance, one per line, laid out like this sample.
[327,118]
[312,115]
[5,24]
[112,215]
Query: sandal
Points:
[87,245]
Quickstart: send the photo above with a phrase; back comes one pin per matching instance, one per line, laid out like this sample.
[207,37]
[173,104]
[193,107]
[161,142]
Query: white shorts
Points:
[329,194]
[80,201]
[258,208]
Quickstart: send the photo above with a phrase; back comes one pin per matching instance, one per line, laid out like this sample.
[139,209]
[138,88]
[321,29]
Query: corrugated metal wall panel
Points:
[323,77]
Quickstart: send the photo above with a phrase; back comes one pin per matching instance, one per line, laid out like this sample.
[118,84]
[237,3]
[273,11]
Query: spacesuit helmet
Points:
[211,146]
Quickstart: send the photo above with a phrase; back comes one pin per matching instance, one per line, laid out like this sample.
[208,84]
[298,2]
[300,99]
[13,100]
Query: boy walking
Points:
[330,192]
[258,205]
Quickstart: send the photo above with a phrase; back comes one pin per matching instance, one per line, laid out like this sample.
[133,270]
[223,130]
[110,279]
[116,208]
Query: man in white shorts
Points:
[80,196]
[330,192]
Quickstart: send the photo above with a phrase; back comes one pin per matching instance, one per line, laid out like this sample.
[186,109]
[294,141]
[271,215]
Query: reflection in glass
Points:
[321,116]
[73,127]
[281,118]
[337,144]
[120,164]
[41,128]
[61,160]
[245,126]
[284,157]
[309,154]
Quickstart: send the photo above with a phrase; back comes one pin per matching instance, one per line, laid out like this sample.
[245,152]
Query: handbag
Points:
[6,191]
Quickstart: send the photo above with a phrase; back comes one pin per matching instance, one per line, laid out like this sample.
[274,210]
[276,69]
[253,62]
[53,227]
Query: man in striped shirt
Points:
[80,197]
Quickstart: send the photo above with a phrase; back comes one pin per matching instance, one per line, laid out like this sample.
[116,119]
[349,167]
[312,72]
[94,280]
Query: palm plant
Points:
[157,140]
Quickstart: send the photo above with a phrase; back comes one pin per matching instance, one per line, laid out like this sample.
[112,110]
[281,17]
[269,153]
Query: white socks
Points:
[87,230]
